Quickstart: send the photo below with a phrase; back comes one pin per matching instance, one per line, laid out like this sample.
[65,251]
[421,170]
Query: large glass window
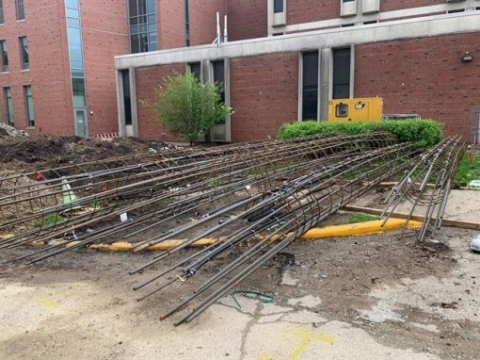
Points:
[24,52]
[20,9]
[310,85]
[3,49]
[1,12]
[7,94]
[29,105]
[143,25]
[341,73]
[77,66]
[75,47]
[78,89]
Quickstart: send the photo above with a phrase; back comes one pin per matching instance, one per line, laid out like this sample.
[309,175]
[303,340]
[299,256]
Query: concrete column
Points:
[326,76]
[134,102]
[120,105]
[228,125]
[352,71]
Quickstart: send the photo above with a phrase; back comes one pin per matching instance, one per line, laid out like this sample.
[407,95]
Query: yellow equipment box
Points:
[358,109]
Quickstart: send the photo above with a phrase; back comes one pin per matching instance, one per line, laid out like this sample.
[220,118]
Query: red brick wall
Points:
[300,11]
[264,95]
[105,34]
[247,19]
[389,5]
[424,76]
[147,79]
[203,23]
[46,35]
[171,24]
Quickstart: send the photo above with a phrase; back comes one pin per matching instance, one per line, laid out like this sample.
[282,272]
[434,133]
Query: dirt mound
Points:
[57,150]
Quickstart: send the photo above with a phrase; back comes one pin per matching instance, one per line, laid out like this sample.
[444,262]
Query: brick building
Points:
[285,59]
[57,71]
[79,67]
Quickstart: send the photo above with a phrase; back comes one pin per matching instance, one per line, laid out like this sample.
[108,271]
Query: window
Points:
[310,85]
[1,12]
[219,77]
[196,70]
[78,91]
[20,9]
[127,102]
[29,104]
[218,70]
[143,25]
[24,52]
[277,6]
[187,22]
[341,73]
[3,48]
[7,94]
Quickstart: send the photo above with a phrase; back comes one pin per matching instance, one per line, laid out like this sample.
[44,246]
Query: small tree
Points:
[186,106]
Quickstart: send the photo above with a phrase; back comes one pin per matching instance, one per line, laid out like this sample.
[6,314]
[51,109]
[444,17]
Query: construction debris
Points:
[270,192]
[7,130]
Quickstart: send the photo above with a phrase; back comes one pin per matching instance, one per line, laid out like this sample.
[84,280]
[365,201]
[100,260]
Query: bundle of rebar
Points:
[428,182]
[253,199]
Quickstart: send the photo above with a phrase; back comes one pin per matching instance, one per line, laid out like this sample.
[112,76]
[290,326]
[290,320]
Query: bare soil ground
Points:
[380,296]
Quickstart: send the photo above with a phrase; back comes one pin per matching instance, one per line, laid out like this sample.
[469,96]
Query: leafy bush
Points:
[468,168]
[424,132]
[186,106]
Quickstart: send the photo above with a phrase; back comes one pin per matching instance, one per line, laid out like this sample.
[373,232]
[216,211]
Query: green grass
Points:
[361,217]
[469,167]
[47,220]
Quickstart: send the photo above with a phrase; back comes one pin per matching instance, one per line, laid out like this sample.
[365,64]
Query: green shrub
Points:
[468,168]
[424,132]
[300,129]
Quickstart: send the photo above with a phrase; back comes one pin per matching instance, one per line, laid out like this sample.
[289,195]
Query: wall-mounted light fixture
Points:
[467,57]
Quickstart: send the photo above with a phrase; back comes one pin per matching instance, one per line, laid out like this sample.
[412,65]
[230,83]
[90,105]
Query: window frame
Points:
[8,98]
[29,107]
[24,55]
[142,26]
[20,10]
[340,84]
[2,15]
[310,89]
[4,56]
[278,6]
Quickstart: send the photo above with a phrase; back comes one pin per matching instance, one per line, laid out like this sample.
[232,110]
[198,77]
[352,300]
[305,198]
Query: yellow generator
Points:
[359,109]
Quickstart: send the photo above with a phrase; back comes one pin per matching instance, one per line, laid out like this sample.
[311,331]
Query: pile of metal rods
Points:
[266,193]
[157,189]
[428,182]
